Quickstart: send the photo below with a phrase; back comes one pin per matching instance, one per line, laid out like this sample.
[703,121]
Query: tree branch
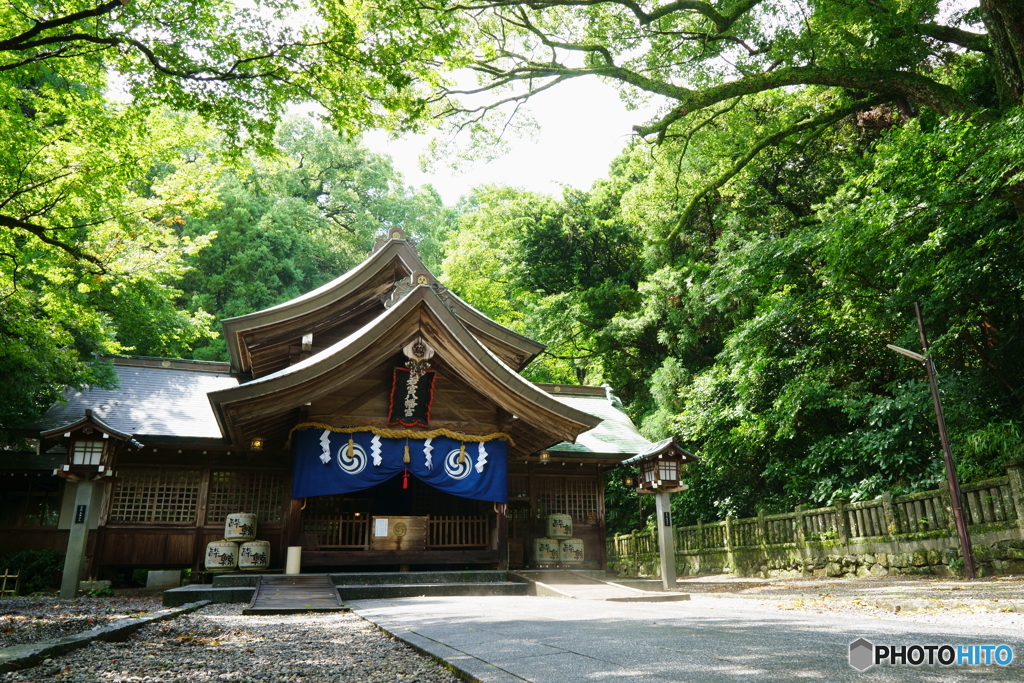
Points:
[41,233]
[41,26]
[823,119]
[972,41]
[940,97]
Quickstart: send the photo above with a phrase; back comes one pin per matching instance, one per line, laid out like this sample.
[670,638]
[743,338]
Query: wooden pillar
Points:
[502,510]
[291,530]
[77,539]
[198,547]
[666,541]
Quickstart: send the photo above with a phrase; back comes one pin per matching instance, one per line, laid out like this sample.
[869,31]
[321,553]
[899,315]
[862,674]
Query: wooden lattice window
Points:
[568,495]
[581,500]
[257,492]
[518,486]
[156,496]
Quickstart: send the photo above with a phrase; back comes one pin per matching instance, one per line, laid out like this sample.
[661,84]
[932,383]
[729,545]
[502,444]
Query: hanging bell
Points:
[405,457]
[462,454]
[351,448]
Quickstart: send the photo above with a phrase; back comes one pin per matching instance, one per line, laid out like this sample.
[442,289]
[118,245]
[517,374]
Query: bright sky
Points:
[583,126]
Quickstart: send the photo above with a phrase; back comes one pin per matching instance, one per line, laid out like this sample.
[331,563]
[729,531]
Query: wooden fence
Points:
[990,506]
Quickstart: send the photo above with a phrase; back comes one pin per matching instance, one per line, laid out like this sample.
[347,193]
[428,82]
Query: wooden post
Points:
[77,539]
[890,514]
[842,523]
[730,559]
[502,510]
[762,529]
[636,553]
[1015,474]
[293,524]
[666,542]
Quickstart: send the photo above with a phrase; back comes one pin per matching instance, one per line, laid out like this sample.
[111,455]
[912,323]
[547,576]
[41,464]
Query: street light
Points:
[947,453]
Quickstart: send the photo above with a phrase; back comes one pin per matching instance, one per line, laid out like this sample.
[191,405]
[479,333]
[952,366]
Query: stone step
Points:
[175,597]
[394,578]
[414,590]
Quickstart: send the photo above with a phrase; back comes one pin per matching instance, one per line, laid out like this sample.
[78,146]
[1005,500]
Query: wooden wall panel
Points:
[366,401]
[148,548]
[15,540]
[178,548]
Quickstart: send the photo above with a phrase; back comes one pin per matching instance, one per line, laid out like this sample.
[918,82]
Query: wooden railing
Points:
[457,532]
[991,505]
[336,533]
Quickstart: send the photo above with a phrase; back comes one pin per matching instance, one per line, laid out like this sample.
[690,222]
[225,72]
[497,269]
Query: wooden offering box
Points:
[398,533]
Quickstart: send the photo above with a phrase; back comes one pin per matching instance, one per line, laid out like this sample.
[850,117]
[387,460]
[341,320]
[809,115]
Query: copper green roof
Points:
[615,436]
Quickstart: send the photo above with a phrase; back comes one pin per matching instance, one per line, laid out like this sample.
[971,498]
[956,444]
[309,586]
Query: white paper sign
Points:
[380,527]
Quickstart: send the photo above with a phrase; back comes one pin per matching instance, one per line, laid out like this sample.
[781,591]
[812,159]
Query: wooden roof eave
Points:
[89,419]
[322,296]
[352,282]
[373,344]
[478,321]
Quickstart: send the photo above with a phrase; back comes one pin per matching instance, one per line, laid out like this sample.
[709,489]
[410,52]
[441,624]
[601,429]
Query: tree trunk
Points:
[1004,20]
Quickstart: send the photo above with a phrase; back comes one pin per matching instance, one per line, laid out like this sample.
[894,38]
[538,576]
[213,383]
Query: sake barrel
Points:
[240,526]
[570,551]
[221,556]
[545,550]
[559,526]
[254,555]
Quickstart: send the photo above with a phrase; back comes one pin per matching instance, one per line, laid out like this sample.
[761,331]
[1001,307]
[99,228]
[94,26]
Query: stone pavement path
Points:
[512,639]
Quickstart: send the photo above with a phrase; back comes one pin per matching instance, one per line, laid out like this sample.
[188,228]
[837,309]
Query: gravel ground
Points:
[218,643]
[30,620]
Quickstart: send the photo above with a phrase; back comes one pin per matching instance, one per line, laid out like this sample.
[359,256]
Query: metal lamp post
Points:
[947,453]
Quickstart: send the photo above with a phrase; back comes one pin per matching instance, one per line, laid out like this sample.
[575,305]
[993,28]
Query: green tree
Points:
[290,222]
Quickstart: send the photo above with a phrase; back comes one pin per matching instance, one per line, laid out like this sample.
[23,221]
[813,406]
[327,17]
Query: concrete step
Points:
[175,597]
[415,590]
[563,577]
[235,580]
[394,578]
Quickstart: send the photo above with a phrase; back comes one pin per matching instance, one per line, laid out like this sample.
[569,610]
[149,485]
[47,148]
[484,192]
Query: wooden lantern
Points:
[92,447]
[660,467]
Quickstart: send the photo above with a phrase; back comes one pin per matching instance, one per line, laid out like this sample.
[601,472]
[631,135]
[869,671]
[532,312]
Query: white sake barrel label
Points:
[254,555]
[571,551]
[545,550]
[240,526]
[221,556]
[559,526]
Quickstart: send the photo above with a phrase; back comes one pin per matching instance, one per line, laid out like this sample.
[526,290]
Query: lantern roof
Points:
[90,419]
[664,447]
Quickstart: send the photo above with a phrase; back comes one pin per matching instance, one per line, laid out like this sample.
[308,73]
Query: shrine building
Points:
[378,396]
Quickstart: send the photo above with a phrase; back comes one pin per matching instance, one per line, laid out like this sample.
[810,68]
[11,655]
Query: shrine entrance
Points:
[434,527]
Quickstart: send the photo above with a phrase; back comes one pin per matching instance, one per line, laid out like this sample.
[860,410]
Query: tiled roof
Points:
[151,400]
[663,446]
[20,460]
[616,435]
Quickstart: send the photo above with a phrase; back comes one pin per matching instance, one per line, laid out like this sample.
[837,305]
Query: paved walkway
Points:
[514,639]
